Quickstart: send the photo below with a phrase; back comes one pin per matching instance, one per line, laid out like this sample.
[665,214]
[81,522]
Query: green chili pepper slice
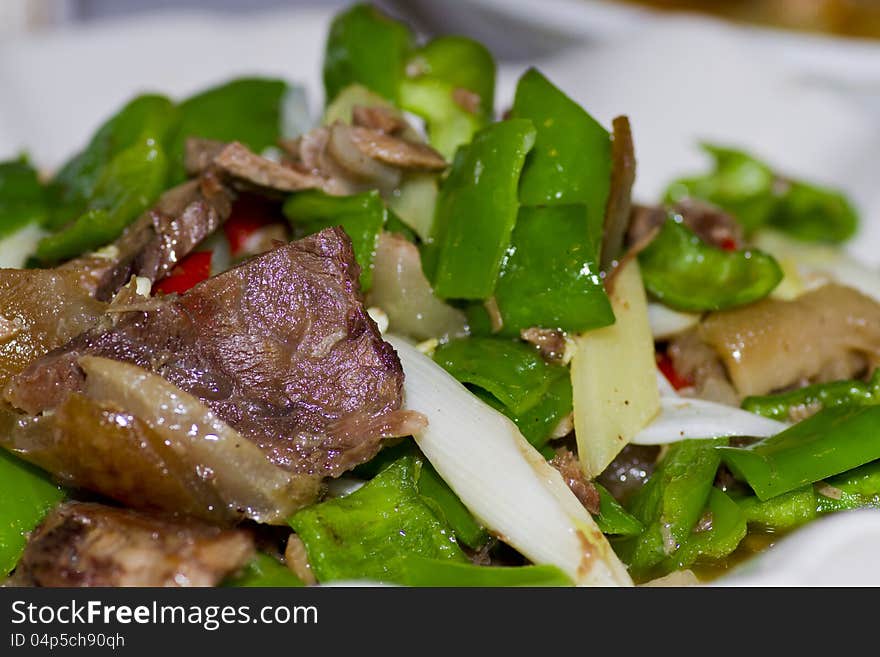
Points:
[362,535]
[28,494]
[685,273]
[613,518]
[511,371]
[784,405]
[264,572]
[671,502]
[23,199]
[832,441]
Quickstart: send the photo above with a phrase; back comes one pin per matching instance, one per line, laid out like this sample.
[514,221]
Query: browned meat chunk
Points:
[40,309]
[381,119]
[158,239]
[280,348]
[696,361]
[618,210]
[827,334]
[243,166]
[711,224]
[83,544]
[570,468]
[550,342]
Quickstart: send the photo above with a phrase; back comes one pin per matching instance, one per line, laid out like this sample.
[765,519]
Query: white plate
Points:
[810,106]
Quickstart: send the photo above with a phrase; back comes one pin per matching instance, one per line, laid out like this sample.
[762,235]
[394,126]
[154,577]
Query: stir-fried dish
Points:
[414,343]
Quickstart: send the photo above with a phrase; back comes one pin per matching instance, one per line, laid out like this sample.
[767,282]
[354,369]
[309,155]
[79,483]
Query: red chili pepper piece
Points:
[664,364]
[193,269]
[728,244]
[249,214]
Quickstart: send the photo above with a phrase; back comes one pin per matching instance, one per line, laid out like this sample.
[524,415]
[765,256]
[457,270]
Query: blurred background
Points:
[796,82]
[855,18]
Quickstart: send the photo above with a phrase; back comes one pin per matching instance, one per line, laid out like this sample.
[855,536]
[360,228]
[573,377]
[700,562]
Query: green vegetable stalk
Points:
[685,273]
[670,503]
[476,211]
[785,406]
[832,441]
[365,47]
[362,216]
[28,494]
[550,276]
[751,191]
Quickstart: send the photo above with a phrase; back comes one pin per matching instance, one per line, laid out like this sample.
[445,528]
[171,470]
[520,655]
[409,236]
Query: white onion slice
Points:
[667,323]
[503,480]
[682,418]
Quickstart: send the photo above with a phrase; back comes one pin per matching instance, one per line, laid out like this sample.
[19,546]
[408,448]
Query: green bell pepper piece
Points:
[685,273]
[264,572]
[419,571]
[751,191]
[445,503]
[854,489]
[550,276]
[436,74]
[739,184]
[365,47]
[511,371]
[28,494]
[727,529]
[671,502]
[362,216]
[613,518]
[245,109]
[476,211]
[832,441]
[435,492]
[816,397]
[76,183]
[815,214]
[23,199]
[128,185]
[461,62]
[571,161]
[362,535]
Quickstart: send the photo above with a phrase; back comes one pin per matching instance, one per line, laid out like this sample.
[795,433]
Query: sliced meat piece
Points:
[550,342]
[694,360]
[281,348]
[40,309]
[244,166]
[395,151]
[570,468]
[158,239]
[711,224]
[84,544]
[378,118]
[199,154]
[827,334]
